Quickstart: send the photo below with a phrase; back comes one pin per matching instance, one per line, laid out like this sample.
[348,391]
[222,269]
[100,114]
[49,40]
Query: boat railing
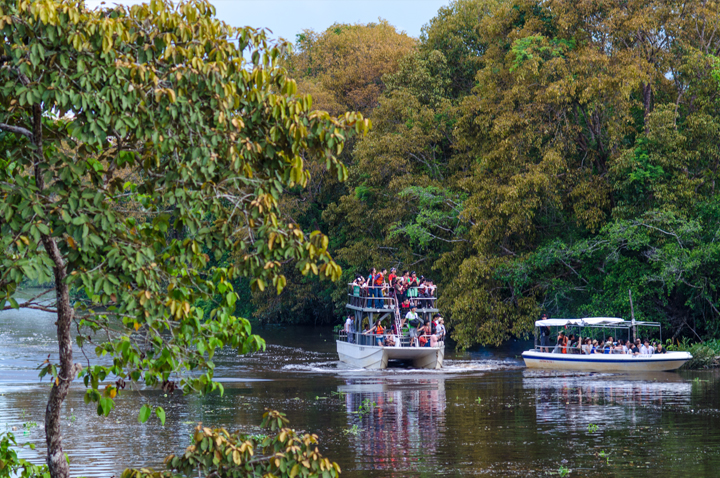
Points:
[392,340]
[382,297]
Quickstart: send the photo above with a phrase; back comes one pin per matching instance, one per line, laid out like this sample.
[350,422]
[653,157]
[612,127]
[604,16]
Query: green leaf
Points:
[160,414]
[145,412]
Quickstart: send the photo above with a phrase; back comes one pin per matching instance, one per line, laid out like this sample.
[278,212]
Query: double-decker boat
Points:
[556,357]
[364,350]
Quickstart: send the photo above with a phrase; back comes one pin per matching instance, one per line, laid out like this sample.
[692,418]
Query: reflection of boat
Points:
[399,424]
[554,358]
[362,350]
[565,402]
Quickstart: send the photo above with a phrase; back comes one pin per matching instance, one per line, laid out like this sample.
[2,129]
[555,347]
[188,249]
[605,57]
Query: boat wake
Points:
[450,367]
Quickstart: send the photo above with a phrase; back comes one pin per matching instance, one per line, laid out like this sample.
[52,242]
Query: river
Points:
[484,414]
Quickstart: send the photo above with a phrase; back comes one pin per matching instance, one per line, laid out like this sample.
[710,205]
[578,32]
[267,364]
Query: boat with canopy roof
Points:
[554,358]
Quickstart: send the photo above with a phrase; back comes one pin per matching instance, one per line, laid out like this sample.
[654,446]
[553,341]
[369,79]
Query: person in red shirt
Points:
[392,275]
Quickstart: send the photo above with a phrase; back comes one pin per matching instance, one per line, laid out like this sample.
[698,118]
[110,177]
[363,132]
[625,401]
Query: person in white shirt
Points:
[413,321]
[440,329]
[350,329]
[644,350]
[648,348]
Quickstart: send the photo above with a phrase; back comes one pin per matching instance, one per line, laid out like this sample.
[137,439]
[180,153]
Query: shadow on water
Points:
[483,415]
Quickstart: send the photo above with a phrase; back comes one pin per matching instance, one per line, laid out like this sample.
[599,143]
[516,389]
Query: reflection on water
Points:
[398,423]
[483,415]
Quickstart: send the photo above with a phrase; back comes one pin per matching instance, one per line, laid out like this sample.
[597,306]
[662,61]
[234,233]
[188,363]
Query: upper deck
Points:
[382,299]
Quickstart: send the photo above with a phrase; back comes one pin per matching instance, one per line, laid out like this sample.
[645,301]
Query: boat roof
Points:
[581,322]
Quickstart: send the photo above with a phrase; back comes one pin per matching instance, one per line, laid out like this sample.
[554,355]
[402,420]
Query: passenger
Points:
[648,349]
[561,344]
[349,328]
[426,338]
[440,330]
[608,347]
[389,341]
[660,349]
[379,284]
[412,286]
[595,347]
[413,322]
[544,336]
[431,294]
[618,348]
[392,276]
[371,286]
[634,349]
[587,347]
[377,330]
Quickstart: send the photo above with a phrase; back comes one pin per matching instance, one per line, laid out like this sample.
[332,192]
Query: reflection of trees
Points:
[406,423]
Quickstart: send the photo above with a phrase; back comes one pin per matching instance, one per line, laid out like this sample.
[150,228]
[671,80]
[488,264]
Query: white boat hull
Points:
[375,357]
[606,362]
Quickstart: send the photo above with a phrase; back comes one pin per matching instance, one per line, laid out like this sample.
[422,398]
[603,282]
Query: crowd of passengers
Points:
[570,344]
[419,333]
[409,290]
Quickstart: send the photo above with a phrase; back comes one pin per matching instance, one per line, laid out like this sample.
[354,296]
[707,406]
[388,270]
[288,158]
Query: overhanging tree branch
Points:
[17,130]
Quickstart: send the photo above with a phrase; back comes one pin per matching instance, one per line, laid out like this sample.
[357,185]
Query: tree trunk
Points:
[59,467]
[647,93]
[56,461]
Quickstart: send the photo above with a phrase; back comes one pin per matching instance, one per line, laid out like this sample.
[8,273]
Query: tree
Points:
[153,108]
[348,62]
[219,453]
[591,124]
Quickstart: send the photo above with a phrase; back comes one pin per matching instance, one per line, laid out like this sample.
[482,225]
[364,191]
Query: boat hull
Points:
[374,357]
[606,362]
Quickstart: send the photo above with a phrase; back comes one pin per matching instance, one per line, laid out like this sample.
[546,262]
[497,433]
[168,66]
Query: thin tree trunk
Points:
[59,467]
[56,461]
[647,93]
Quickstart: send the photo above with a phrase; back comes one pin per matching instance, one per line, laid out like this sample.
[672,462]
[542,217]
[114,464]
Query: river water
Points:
[484,414]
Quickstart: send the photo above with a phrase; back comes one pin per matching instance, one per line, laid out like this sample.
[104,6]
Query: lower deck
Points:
[377,357]
[605,362]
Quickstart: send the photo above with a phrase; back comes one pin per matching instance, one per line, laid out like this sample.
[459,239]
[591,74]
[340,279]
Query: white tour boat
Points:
[362,350]
[552,357]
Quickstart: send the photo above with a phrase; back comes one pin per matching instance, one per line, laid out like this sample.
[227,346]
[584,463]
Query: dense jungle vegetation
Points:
[528,156]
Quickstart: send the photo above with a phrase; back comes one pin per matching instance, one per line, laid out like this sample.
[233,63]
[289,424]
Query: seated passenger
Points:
[648,349]
[389,341]
[634,349]
[618,348]
[660,349]
[587,346]
[595,348]
[561,344]
[426,338]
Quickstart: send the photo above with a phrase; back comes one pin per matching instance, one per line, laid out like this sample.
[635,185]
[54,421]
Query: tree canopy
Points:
[141,144]
[544,156]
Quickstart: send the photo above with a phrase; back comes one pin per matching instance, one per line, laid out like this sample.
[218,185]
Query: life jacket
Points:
[379,279]
[379,330]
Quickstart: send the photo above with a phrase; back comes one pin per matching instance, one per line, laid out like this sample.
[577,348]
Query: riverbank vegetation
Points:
[528,156]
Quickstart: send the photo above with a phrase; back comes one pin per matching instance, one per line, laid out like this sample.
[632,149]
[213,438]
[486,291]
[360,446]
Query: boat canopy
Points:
[581,322]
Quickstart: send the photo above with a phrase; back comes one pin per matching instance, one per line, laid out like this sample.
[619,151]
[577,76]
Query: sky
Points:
[287,18]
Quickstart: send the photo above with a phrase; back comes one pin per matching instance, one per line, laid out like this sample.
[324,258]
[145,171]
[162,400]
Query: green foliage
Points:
[705,354]
[139,141]
[216,452]
[13,467]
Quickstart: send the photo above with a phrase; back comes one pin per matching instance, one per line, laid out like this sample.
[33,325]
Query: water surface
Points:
[483,415]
